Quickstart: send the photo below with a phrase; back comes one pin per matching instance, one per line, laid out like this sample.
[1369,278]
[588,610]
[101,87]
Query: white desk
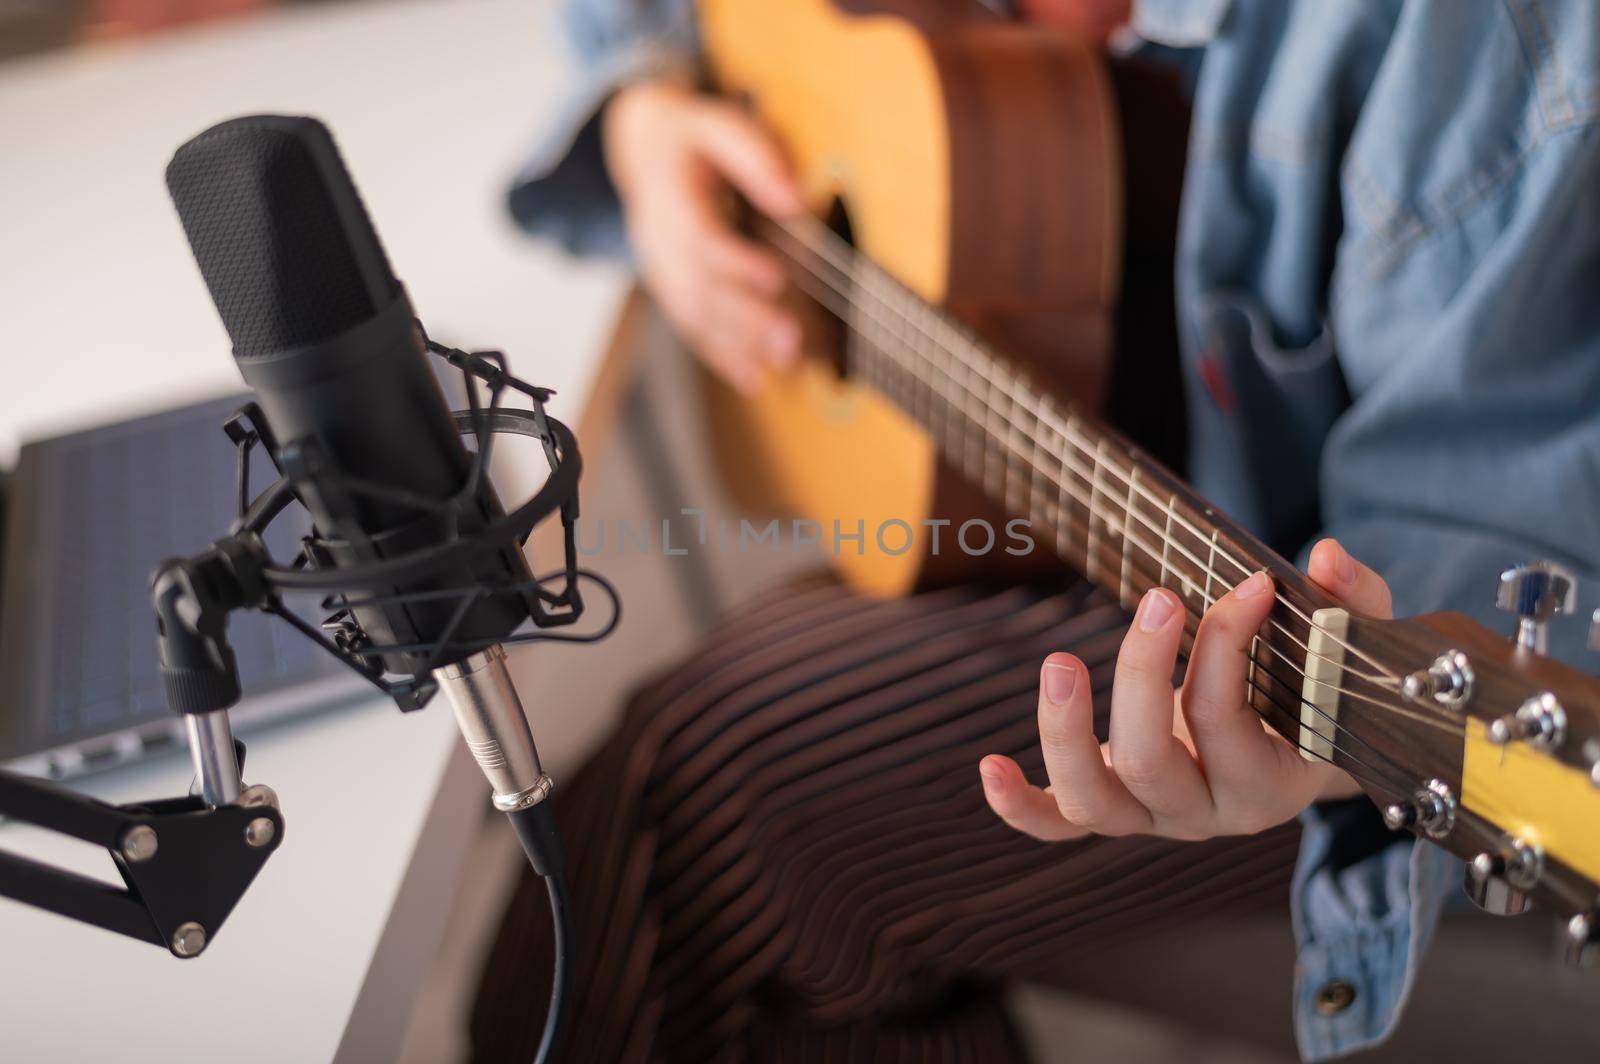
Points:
[104,315]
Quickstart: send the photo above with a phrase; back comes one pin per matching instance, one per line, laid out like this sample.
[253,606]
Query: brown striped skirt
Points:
[783,852]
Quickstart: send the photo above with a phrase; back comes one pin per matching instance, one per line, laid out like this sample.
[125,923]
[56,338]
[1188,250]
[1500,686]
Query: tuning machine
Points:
[1583,940]
[1534,593]
[1448,681]
[1498,883]
[1432,809]
[1540,722]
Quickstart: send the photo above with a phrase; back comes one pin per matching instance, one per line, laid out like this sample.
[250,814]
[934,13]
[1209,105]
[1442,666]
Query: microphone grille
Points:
[279,233]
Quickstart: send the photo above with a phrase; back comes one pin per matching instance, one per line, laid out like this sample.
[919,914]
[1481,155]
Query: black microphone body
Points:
[326,336]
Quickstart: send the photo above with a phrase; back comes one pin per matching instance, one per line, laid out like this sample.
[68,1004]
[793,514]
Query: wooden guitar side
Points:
[978,162]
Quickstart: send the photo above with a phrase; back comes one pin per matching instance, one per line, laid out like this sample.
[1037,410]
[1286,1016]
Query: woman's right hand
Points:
[673,154]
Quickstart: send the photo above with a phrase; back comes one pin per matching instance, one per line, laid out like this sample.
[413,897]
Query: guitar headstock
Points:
[1482,745]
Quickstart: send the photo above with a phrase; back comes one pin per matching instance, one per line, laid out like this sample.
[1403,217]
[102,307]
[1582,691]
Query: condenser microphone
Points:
[326,337]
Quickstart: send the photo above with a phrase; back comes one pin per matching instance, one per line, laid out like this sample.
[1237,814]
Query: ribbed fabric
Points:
[784,854]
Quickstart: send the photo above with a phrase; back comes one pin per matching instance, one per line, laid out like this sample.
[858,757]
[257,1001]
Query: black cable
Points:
[536,830]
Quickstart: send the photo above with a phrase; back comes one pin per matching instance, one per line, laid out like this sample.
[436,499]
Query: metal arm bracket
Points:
[184,865]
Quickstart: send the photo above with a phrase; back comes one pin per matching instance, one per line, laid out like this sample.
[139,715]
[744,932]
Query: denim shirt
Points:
[1389,304]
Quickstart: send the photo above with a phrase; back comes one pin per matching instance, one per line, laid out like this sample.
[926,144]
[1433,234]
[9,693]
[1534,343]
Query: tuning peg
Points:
[1498,883]
[1536,592]
[1432,808]
[1594,630]
[1448,681]
[1540,721]
[1488,889]
[1583,940]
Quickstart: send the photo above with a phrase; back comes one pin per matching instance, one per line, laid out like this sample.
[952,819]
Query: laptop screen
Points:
[90,516]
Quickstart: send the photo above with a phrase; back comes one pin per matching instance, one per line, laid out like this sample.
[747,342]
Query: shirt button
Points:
[1333,998]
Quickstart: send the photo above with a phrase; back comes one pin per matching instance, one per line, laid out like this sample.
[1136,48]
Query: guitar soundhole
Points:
[836,341]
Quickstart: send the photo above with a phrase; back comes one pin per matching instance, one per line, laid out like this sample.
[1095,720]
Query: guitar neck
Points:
[1110,511]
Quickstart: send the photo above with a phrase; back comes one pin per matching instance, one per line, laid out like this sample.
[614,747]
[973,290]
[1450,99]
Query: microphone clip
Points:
[364,583]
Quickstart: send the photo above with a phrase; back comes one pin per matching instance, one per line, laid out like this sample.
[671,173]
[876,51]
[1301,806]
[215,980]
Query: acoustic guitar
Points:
[964,170]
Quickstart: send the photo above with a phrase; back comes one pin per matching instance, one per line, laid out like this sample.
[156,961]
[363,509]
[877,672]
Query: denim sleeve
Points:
[1178,23]
[1469,334]
[563,191]
[1361,930]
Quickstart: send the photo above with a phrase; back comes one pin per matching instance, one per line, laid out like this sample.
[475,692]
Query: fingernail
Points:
[1154,611]
[1060,680]
[989,770]
[1345,566]
[1250,588]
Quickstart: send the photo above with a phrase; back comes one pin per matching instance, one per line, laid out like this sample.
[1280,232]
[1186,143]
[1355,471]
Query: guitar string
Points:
[1036,471]
[1191,626]
[1042,417]
[1130,536]
[1385,681]
[1373,775]
[1266,668]
[1212,574]
[1092,477]
[1146,575]
[988,372]
[1292,690]
[1368,774]
[1379,778]
[1297,723]
[1090,506]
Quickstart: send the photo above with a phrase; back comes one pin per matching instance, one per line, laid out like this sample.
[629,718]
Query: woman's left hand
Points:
[1188,764]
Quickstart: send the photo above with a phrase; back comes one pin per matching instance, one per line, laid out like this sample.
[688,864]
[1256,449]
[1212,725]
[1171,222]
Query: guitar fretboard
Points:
[1111,512]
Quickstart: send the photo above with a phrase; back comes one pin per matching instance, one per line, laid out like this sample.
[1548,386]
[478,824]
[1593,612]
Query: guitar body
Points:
[978,162]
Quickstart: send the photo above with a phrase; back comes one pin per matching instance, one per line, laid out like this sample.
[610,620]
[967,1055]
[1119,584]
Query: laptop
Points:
[87,518]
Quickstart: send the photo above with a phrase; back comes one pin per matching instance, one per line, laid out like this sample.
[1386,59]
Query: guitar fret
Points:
[994,478]
[1014,487]
[1250,669]
[992,435]
[870,334]
[1211,564]
[1064,509]
[992,425]
[906,336]
[896,334]
[1037,508]
[952,424]
[1008,427]
[1065,532]
[1050,504]
[973,447]
[924,350]
[1166,541]
[1127,524]
[1092,551]
[935,377]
